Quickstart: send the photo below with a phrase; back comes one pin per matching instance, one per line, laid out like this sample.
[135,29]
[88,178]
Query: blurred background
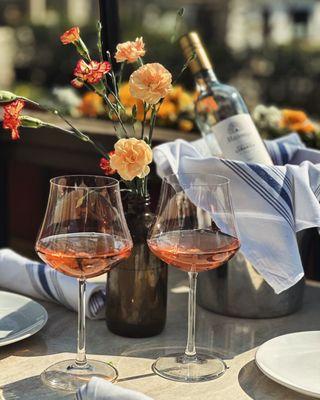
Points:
[268,49]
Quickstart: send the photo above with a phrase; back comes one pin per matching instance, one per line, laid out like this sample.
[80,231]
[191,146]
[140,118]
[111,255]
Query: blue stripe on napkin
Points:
[282,175]
[33,273]
[243,171]
[272,183]
[284,154]
[59,292]
[43,281]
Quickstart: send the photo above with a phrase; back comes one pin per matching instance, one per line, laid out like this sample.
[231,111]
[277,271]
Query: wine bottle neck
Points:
[205,78]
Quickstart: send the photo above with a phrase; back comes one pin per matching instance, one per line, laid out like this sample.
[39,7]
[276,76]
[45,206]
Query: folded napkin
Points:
[21,275]
[99,389]
[271,203]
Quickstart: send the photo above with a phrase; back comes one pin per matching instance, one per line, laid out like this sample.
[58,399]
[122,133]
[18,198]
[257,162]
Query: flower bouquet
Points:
[148,85]
[136,288]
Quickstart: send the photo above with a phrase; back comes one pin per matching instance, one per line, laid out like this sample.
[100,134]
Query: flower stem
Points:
[116,111]
[99,42]
[143,123]
[153,122]
[96,146]
[184,67]
[145,186]
[74,131]
[120,74]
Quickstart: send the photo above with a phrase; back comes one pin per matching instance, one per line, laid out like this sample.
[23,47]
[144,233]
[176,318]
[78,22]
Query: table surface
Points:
[235,339]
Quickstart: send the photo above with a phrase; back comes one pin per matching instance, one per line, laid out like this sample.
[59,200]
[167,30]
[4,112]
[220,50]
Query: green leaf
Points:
[99,87]
[82,49]
[30,122]
[6,96]
[99,42]
[181,11]
[134,112]
[177,24]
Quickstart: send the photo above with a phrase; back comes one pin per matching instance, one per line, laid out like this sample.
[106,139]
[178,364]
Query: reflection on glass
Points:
[84,234]
[194,231]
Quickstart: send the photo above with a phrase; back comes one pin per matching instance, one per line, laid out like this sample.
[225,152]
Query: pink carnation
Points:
[130,51]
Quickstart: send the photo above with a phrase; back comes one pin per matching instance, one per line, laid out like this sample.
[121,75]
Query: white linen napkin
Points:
[21,275]
[99,389]
[271,203]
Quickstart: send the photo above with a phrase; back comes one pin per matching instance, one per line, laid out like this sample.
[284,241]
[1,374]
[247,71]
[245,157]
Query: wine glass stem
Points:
[190,351]
[81,359]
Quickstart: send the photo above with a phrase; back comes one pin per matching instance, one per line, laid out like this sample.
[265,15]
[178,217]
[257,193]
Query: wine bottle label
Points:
[239,140]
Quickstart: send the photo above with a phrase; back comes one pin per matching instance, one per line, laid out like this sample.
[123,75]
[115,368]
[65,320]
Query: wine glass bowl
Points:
[195,230]
[194,250]
[84,234]
[82,255]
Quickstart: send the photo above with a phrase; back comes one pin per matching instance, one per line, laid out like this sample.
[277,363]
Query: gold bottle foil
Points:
[192,47]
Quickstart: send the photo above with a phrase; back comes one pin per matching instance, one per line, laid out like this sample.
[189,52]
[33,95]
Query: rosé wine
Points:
[194,250]
[83,255]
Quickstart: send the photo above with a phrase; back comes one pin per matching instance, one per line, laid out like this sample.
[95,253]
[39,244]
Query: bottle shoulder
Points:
[221,90]
[220,99]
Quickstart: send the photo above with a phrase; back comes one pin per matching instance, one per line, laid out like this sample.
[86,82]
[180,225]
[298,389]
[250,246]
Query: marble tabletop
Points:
[234,339]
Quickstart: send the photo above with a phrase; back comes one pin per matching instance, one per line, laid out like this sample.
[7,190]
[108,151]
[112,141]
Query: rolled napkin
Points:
[99,389]
[21,275]
[271,203]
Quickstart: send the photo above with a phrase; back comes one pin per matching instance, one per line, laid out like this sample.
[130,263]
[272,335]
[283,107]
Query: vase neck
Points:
[138,203]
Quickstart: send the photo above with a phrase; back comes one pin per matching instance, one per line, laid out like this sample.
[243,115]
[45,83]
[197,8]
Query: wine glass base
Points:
[66,375]
[178,367]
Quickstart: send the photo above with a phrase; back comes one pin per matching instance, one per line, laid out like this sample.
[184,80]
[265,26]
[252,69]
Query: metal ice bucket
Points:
[237,290]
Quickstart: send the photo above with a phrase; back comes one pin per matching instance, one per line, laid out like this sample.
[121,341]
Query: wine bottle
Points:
[221,113]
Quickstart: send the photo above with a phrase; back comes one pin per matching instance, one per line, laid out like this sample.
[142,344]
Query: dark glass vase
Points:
[137,287]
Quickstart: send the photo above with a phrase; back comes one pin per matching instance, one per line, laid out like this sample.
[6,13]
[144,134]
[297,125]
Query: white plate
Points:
[20,317]
[293,360]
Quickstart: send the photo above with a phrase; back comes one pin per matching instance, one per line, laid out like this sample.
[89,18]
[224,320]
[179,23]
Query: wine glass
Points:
[83,235]
[195,230]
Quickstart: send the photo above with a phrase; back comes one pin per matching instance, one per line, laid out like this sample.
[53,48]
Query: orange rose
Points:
[168,110]
[131,158]
[181,98]
[91,104]
[70,36]
[130,51]
[150,83]
[128,102]
[185,125]
[295,120]
[207,105]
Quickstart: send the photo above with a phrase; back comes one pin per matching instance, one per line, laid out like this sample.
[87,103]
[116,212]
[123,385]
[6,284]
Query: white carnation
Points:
[267,117]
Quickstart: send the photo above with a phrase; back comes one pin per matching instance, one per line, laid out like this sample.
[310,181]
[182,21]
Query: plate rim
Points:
[32,329]
[284,382]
